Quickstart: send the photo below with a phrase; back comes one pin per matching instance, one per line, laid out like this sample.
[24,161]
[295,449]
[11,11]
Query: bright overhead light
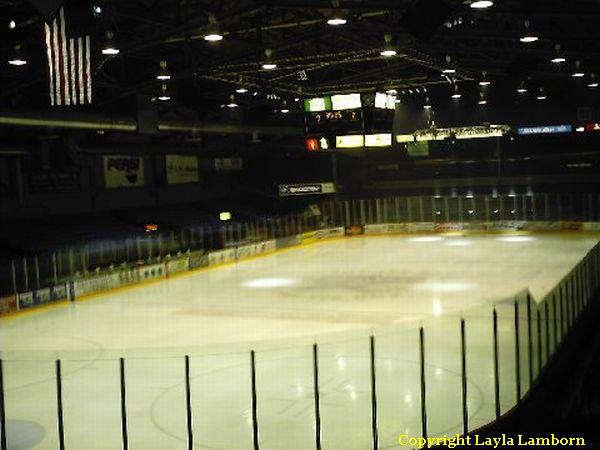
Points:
[388,53]
[482,4]
[336,21]
[427,106]
[482,102]
[232,105]
[163,77]
[391,92]
[558,60]
[12,25]
[521,90]
[97,10]
[285,111]
[449,71]
[17,62]
[485,83]
[164,98]
[269,66]
[593,85]
[528,39]
[241,90]
[457,95]
[542,97]
[578,75]
[110,51]
[214,37]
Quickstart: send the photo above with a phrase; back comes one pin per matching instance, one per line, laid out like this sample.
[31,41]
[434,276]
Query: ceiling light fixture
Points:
[336,21]
[12,25]
[456,95]
[528,37]
[388,51]
[17,58]
[578,73]
[213,33]
[110,48]
[593,82]
[241,90]
[164,96]
[481,4]
[163,75]
[542,95]
[268,64]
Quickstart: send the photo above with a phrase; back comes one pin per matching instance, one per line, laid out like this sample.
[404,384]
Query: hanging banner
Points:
[123,171]
[181,169]
[306,189]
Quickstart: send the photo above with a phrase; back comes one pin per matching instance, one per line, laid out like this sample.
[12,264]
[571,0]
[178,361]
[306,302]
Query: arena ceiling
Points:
[311,56]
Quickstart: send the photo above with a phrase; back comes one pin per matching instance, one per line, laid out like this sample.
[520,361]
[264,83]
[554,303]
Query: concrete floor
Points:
[334,293]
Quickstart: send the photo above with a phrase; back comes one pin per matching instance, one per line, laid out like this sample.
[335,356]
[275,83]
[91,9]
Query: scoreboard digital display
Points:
[345,121]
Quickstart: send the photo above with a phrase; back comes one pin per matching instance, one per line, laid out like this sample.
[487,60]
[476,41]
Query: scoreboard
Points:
[348,121]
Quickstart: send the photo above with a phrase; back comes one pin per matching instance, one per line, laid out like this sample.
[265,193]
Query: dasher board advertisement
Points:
[123,171]
[181,169]
[306,189]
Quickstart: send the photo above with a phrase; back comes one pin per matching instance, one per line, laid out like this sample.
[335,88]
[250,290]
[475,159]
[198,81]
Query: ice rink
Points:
[333,293]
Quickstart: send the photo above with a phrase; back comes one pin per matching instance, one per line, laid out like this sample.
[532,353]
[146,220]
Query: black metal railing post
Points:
[496,365]
[254,405]
[539,340]
[373,395]
[123,404]
[517,353]
[463,364]
[317,397]
[547,317]
[530,340]
[188,404]
[59,408]
[423,383]
[3,444]
[555,324]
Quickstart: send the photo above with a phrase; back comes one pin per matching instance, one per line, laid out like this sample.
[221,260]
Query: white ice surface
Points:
[333,293]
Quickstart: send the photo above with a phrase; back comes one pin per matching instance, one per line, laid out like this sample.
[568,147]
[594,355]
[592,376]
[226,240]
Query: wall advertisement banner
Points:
[509,225]
[308,237]
[590,226]
[58,292]
[420,227]
[445,227]
[26,300]
[41,296]
[181,169]
[221,256]
[198,259]
[327,233]
[177,265]
[152,272]
[570,226]
[96,284]
[286,242]
[376,229]
[8,304]
[123,171]
[354,230]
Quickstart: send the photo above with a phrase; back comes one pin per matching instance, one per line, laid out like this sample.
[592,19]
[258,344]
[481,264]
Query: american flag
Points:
[69,62]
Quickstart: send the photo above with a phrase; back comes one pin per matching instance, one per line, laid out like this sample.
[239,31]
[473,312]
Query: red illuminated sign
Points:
[312,145]
[592,126]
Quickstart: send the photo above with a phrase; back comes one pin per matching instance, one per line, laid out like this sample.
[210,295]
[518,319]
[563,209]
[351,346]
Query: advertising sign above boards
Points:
[123,171]
[306,189]
[181,169]
[550,129]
